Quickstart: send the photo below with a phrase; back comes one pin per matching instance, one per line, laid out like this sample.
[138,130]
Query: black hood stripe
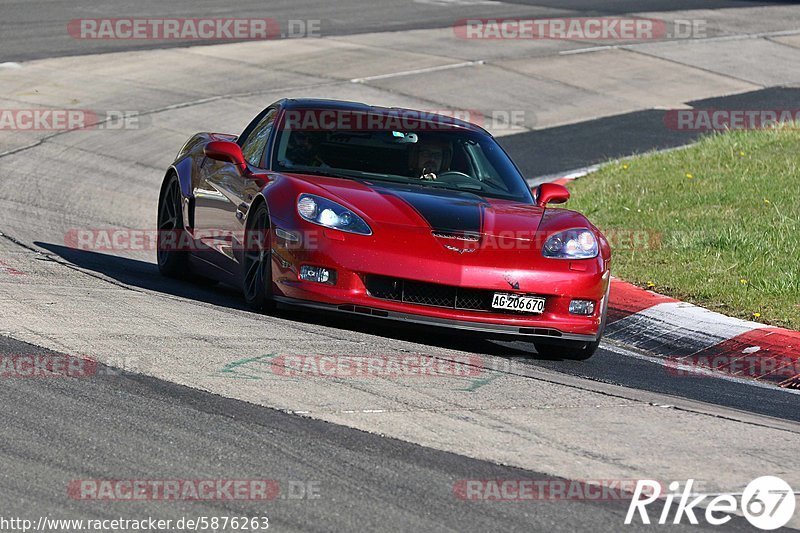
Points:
[444,211]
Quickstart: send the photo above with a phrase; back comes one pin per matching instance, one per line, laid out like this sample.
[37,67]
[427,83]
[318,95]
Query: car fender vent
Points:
[468,237]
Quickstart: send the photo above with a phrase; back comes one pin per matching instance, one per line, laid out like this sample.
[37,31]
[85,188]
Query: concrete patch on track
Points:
[649,83]
[762,62]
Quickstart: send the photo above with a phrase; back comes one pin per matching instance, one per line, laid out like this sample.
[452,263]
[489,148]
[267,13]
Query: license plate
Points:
[514,302]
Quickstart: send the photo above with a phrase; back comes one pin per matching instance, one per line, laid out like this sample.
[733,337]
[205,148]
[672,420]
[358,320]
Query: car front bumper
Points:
[353,257]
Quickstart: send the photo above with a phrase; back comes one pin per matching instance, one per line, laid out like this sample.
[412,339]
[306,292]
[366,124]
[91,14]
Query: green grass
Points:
[717,223]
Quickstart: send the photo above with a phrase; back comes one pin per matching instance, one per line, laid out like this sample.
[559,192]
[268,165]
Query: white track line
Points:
[418,71]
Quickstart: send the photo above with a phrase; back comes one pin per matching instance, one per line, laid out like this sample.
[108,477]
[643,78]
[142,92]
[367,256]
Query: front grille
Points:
[431,294]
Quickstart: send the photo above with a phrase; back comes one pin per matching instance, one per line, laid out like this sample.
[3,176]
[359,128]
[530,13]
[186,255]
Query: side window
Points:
[256,141]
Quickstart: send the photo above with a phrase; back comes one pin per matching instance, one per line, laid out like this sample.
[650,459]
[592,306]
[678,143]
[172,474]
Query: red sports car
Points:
[388,213]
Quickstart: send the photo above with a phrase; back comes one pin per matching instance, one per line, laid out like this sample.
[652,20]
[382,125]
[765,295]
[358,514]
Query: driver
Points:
[303,150]
[429,158]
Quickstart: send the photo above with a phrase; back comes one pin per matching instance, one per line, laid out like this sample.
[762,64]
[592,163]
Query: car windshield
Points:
[433,157]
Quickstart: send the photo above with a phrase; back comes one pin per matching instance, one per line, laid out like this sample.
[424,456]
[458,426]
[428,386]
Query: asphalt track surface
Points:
[33,29]
[120,425]
[606,366]
[124,426]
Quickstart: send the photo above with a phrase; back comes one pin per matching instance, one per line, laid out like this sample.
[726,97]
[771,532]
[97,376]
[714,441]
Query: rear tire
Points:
[257,262]
[172,261]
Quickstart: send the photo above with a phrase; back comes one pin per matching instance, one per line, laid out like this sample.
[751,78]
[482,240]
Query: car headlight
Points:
[328,213]
[571,244]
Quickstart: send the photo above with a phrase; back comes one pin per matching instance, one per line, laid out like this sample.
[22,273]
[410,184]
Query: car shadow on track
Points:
[145,275]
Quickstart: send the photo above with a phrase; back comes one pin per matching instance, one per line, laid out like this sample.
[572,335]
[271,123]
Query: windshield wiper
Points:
[316,171]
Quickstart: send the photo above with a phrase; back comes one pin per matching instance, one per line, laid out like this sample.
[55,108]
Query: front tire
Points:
[172,261]
[257,262]
[576,351]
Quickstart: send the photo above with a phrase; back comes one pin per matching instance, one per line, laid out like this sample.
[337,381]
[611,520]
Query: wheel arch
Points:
[257,201]
[183,171]
[164,182]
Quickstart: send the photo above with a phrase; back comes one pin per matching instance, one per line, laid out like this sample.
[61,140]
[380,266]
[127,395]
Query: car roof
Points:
[359,107]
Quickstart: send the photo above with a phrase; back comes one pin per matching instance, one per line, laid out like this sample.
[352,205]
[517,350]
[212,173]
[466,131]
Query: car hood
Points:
[445,211]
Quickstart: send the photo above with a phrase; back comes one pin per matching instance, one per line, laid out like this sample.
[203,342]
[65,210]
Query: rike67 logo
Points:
[767,503]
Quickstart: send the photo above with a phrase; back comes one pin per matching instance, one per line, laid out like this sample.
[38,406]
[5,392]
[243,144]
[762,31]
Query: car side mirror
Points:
[550,193]
[226,151]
